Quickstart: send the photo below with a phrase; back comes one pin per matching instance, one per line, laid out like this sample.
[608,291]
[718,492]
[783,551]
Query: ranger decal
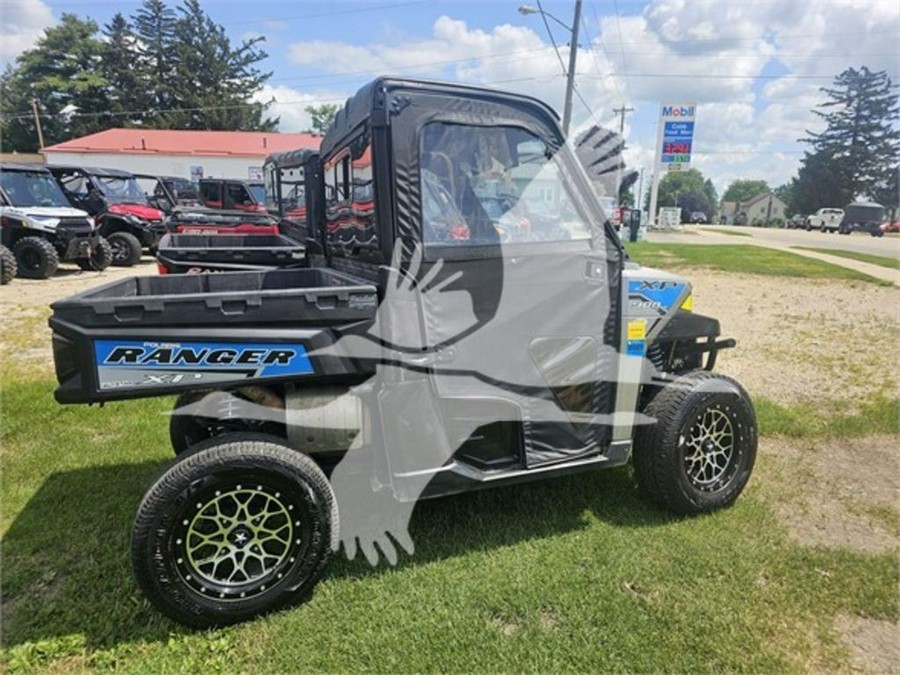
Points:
[132,363]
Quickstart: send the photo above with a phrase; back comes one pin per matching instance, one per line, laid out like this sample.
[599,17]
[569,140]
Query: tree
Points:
[688,189]
[214,82]
[743,190]
[62,73]
[321,117]
[861,140]
[154,25]
[121,68]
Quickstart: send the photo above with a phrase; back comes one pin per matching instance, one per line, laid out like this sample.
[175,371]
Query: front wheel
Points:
[36,258]
[100,258]
[126,249]
[699,454]
[241,526]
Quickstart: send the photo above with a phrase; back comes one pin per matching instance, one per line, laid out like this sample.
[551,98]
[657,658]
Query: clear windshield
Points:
[258,190]
[32,188]
[120,189]
[487,184]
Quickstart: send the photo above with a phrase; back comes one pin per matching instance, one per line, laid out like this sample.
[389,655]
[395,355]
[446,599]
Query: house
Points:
[763,209]
[188,154]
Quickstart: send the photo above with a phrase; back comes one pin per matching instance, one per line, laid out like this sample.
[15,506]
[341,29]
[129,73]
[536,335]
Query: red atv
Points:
[124,216]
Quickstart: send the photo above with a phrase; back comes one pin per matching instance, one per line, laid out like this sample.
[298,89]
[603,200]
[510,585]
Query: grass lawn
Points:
[571,574]
[741,258]
[733,233]
[881,260]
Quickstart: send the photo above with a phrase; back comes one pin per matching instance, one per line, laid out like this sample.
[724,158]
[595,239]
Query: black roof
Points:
[291,157]
[371,97]
[92,170]
[15,166]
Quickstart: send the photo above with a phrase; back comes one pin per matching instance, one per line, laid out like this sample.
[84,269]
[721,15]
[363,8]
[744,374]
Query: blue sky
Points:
[753,68]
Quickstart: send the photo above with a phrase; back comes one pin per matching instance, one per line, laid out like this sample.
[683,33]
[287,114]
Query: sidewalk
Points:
[877,271]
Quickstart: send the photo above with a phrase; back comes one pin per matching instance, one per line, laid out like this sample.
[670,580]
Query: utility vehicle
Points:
[8,265]
[286,193]
[119,206]
[862,217]
[167,193]
[197,253]
[418,355]
[230,195]
[41,228]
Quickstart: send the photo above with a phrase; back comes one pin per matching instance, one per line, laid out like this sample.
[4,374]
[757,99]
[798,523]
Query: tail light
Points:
[162,268]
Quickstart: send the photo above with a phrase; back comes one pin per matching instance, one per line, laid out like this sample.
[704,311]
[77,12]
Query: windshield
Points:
[32,188]
[258,190]
[120,189]
[484,185]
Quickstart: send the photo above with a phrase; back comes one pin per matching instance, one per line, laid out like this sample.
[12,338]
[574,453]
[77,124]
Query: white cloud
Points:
[707,51]
[290,104]
[23,22]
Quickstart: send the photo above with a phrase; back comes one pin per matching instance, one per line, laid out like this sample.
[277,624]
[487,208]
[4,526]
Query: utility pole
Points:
[570,80]
[621,112]
[37,124]
[573,53]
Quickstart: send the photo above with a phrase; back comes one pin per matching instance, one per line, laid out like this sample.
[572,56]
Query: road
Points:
[782,238]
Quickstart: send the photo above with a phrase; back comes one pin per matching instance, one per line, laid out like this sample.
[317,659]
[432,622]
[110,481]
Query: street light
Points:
[573,53]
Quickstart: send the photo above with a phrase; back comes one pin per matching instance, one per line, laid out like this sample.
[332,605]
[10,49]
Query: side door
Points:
[503,214]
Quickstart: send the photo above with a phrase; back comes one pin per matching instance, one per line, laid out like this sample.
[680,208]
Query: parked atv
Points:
[419,355]
[40,226]
[120,207]
[167,193]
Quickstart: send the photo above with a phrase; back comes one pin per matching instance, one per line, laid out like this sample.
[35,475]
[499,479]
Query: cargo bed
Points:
[180,253]
[146,336]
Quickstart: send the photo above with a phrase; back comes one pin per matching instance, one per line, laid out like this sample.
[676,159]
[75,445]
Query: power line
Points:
[552,39]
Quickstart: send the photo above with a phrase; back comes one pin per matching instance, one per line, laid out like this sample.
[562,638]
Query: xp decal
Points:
[134,363]
[657,297]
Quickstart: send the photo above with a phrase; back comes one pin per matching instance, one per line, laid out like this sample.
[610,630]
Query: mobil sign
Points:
[676,135]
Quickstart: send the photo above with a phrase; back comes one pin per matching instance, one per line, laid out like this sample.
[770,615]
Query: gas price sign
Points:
[677,136]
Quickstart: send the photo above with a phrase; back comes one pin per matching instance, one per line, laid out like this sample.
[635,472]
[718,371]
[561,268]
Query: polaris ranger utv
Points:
[41,228]
[422,353]
[119,205]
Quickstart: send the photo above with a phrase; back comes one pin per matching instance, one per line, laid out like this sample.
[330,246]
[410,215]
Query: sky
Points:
[753,67]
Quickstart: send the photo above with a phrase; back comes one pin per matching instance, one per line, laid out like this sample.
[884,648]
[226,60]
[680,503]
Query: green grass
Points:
[575,573]
[879,415]
[732,233]
[881,260]
[741,258]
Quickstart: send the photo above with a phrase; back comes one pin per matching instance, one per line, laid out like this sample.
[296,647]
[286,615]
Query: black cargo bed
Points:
[261,298]
[179,253]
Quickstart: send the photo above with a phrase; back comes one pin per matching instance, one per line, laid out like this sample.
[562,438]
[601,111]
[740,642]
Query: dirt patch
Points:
[25,306]
[874,645]
[803,340]
[836,493]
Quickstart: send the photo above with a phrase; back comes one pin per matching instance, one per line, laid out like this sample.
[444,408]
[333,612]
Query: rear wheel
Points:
[36,258]
[8,266]
[126,249]
[101,257]
[241,526]
[699,454]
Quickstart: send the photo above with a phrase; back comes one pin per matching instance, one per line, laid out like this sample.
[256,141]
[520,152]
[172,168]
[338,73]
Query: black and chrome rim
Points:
[710,450]
[238,541]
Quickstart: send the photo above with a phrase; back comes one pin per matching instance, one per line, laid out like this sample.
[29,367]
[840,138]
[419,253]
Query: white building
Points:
[187,154]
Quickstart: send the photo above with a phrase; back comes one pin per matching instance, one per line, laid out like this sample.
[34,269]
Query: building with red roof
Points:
[184,153]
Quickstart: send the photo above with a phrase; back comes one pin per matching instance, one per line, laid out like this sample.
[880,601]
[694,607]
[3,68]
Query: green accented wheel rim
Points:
[710,450]
[236,542]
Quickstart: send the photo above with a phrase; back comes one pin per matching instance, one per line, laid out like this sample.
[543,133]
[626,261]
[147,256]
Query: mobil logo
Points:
[678,110]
